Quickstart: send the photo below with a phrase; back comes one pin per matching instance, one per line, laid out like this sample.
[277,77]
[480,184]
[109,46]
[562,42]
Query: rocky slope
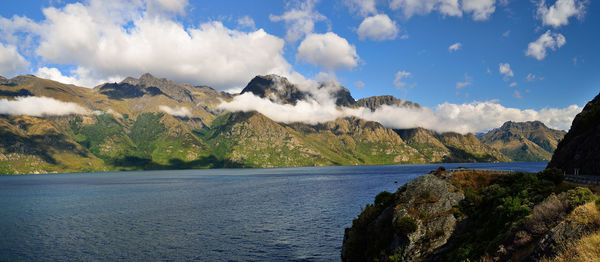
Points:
[524,141]
[472,215]
[581,145]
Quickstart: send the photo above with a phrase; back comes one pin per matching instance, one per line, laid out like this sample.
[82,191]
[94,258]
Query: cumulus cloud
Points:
[179,111]
[454,47]
[114,38]
[169,6]
[462,118]
[513,84]
[328,50]
[505,70]
[399,79]
[300,21]
[548,40]
[39,106]
[480,9]
[11,62]
[378,28]
[559,13]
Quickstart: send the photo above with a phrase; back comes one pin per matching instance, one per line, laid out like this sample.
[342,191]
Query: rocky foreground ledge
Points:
[475,215]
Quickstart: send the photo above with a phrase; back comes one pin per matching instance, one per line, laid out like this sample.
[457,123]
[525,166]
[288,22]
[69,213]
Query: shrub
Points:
[552,174]
[598,202]
[405,225]
[547,214]
[580,196]
[384,199]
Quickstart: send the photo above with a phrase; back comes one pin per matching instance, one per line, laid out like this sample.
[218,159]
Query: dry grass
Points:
[586,248]
[475,179]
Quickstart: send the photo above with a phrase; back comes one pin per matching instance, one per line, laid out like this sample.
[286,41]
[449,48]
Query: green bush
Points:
[552,174]
[405,225]
[580,196]
[598,202]
[384,199]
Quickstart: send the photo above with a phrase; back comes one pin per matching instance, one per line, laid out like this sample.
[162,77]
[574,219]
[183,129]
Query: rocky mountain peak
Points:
[279,89]
[375,102]
[149,84]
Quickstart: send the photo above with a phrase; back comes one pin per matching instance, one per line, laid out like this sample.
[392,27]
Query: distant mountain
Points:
[580,148]
[375,102]
[154,123]
[449,146]
[524,141]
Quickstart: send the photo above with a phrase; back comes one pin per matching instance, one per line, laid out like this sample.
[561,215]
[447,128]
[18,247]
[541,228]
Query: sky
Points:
[462,60]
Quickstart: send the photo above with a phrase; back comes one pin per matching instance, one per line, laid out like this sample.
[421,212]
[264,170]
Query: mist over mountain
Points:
[155,123]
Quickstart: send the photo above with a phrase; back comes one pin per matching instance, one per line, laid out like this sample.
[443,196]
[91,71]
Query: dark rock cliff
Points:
[580,149]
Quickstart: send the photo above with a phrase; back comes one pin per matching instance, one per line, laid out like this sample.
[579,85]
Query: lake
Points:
[280,214]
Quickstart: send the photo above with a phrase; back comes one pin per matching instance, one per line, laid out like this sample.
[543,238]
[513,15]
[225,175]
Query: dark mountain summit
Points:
[580,149]
[278,89]
[375,102]
[524,141]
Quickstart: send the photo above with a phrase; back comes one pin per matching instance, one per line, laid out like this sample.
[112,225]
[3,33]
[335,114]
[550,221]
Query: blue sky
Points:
[416,47]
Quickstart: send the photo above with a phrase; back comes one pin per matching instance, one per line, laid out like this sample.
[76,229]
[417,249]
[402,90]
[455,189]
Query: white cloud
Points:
[506,34]
[463,118]
[362,7]
[79,77]
[179,111]
[170,6]
[513,84]
[548,40]
[480,9]
[531,77]
[11,62]
[378,28]
[517,94]
[505,70]
[558,14]
[300,21]
[39,106]
[398,79]
[246,21]
[328,50]
[454,47]
[114,38]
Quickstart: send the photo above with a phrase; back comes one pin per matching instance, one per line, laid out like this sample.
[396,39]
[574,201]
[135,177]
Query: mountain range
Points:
[153,123]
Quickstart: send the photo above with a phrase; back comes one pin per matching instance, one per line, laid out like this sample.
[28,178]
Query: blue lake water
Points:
[281,214]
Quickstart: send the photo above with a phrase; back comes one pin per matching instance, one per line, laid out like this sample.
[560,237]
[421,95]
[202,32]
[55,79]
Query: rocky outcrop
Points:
[375,102]
[419,219]
[524,141]
[580,146]
[156,86]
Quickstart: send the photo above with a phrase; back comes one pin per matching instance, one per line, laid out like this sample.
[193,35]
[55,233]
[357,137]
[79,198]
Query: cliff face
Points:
[375,102]
[524,141]
[581,146]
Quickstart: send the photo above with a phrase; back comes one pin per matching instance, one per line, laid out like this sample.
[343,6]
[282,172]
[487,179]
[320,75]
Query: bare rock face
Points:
[418,221]
[581,146]
[375,102]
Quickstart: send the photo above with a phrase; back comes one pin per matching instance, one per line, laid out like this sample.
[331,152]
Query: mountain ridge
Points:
[155,123]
